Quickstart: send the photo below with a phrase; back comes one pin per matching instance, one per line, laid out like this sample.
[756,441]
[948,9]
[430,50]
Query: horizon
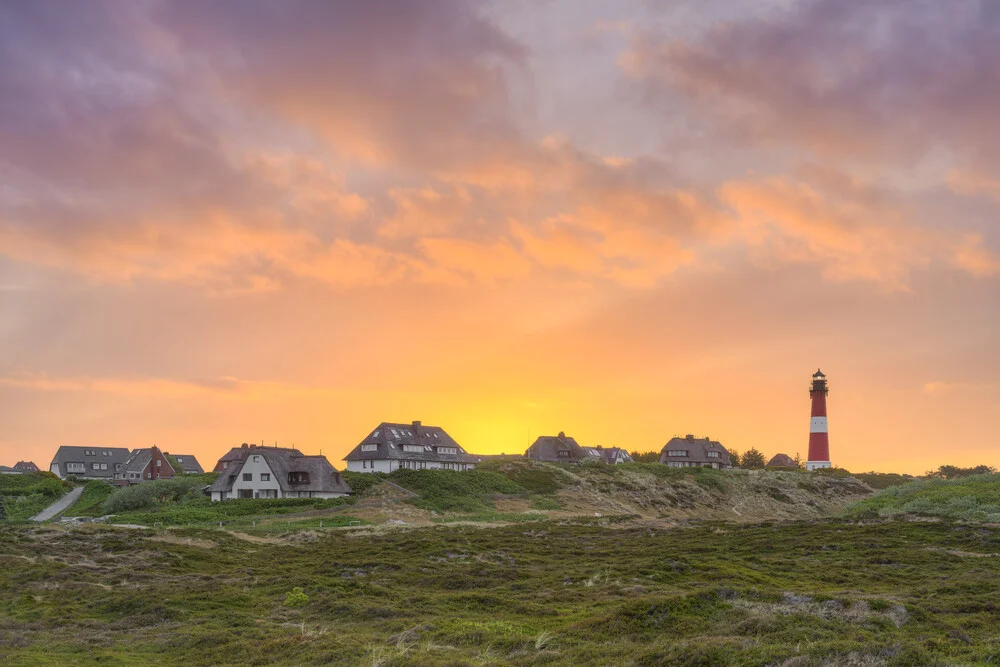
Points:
[244,221]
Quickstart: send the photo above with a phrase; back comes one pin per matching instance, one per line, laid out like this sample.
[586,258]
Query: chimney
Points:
[562,436]
[689,437]
[244,445]
[416,424]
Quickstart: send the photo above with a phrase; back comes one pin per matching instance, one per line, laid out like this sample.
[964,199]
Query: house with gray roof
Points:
[235,455]
[278,472]
[782,461]
[88,462]
[188,463]
[689,451]
[144,465]
[393,446]
[561,449]
[614,455]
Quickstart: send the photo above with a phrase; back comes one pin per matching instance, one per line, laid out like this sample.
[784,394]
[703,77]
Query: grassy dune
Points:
[554,592]
[975,498]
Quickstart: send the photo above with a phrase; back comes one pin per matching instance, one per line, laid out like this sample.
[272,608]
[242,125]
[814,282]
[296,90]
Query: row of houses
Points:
[258,471]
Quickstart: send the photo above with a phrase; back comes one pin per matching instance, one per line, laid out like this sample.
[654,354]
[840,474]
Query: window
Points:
[95,466]
[256,459]
[369,448]
[106,453]
[265,477]
[394,432]
[246,493]
[159,463]
[149,475]
[413,448]
[248,477]
[375,434]
[76,467]
[712,455]
[180,459]
[298,478]
[104,466]
[564,453]
[118,466]
[436,436]
[447,450]
[677,452]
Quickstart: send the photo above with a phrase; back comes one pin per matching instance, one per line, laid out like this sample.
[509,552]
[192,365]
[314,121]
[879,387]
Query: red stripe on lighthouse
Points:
[819,446]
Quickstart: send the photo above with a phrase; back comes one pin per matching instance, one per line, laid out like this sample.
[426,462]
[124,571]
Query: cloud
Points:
[885,81]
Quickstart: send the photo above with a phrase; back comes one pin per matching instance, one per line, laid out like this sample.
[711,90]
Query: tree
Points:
[752,459]
[734,458]
[954,472]
[798,460]
[645,457]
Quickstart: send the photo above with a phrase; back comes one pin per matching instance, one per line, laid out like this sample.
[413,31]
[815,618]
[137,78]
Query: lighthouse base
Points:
[815,465]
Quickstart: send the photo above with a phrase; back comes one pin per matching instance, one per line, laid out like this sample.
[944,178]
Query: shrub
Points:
[296,597]
[148,495]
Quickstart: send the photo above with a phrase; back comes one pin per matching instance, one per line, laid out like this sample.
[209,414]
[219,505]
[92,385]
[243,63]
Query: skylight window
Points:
[394,432]
[375,434]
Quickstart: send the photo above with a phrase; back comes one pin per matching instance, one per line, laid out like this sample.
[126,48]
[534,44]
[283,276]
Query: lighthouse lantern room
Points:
[819,437]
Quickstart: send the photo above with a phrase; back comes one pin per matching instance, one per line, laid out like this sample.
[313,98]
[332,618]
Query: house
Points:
[561,448]
[188,463]
[235,455]
[393,446]
[690,451]
[88,462]
[782,461]
[614,455]
[278,472]
[144,465]
[19,468]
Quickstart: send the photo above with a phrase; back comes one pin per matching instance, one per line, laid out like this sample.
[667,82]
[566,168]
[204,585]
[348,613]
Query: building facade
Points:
[560,449]
[279,472]
[144,465]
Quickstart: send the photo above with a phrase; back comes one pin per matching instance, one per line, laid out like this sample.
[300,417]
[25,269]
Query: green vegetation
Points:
[800,593]
[954,472]
[973,498]
[150,495]
[90,502]
[24,496]
[447,491]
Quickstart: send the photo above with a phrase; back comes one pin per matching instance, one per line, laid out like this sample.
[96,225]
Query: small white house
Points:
[393,446]
[277,472]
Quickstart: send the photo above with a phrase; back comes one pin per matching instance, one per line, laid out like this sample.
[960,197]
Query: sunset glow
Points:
[227,222]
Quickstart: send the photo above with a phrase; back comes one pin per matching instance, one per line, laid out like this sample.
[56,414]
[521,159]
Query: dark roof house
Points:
[26,466]
[236,454]
[392,446]
[782,461]
[279,472]
[690,451]
[560,448]
[189,464]
[144,465]
[614,455]
[88,462]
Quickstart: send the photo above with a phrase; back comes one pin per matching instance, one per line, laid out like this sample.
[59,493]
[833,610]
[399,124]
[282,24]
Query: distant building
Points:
[278,472]
[692,452]
[782,461]
[415,446]
[614,455]
[7,470]
[144,465]
[237,454]
[88,462]
[26,466]
[561,449]
[189,464]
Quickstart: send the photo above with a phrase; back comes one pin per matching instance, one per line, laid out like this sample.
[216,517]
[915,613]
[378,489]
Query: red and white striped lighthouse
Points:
[819,437]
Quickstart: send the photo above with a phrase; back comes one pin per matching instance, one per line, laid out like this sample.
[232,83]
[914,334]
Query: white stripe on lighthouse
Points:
[817,425]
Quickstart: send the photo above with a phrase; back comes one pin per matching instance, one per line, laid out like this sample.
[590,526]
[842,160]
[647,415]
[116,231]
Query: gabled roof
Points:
[188,462]
[88,455]
[26,466]
[697,451]
[782,461]
[612,454]
[548,448]
[323,477]
[239,453]
[410,442]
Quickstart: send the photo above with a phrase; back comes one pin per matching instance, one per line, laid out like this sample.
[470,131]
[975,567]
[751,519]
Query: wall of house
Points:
[388,465]
[158,468]
[255,466]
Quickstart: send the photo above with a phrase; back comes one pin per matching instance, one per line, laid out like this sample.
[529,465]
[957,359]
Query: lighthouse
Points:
[819,437]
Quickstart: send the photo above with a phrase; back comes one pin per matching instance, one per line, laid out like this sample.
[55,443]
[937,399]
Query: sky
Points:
[286,222]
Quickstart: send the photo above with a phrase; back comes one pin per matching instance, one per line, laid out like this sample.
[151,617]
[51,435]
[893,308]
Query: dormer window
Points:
[564,453]
[369,448]
[298,478]
[677,452]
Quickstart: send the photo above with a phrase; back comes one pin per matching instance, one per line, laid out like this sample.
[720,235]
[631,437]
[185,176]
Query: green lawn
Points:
[567,593]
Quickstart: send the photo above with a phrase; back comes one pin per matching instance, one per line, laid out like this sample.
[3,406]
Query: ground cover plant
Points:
[553,592]
[966,498]
[24,496]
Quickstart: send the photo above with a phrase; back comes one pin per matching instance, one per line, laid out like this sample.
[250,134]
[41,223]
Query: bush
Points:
[148,495]
[296,597]
[362,481]
[44,483]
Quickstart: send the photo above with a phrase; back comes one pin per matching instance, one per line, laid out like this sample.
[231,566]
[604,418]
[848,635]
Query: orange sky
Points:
[239,221]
